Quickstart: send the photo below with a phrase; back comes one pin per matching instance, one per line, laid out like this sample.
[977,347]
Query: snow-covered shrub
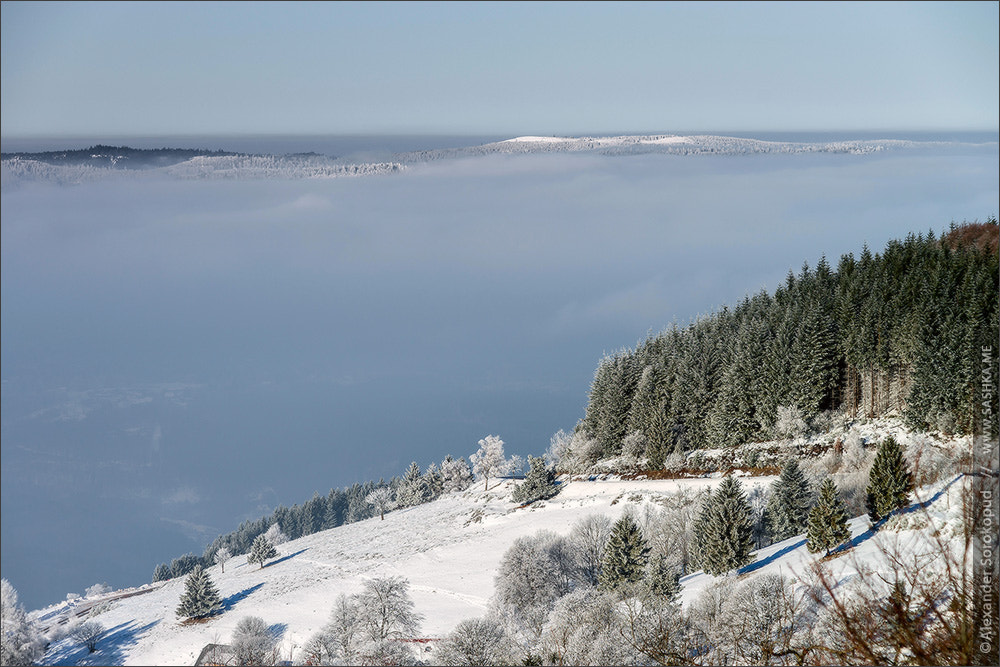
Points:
[930,464]
[558,448]
[703,615]
[338,641]
[275,536]
[97,589]
[89,633]
[633,447]
[789,422]
[253,643]
[21,643]
[854,456]
[475,641]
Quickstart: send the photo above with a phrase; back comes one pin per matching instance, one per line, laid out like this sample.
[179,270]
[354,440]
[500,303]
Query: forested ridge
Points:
[897,332]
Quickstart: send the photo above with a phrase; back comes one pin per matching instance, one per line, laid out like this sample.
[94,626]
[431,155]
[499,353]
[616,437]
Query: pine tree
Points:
[788,508]
[625,555]
[413,489]
[889,481]
[663,578]
[200,597]
[538,484]
[724,529]
[261,551]
[827,520]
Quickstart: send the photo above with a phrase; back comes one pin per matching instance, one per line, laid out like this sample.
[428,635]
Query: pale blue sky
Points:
[332,68]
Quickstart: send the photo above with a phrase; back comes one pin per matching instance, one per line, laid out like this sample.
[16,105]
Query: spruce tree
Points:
[889,481]
[827,520]
[538,484]
[724,529]
[663,578]
[625,555]
[261,551]
[788,508]
[200,597]
[413,489]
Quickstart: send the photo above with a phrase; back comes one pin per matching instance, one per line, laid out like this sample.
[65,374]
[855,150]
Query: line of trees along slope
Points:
[897,332]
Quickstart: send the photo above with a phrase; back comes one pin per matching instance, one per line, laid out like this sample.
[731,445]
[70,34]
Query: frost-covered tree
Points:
[788,506]
[625,555]
[489,459]
[663,577]
[724,529]
[827,521]
[97,589]
[275,535]
[161,573]
[581,628]
[433,481]
[538,484]
[515,466]
[475,641]
[534,572]
[200,597]
[88,633]
[587,540]
[412,489]
[21,643]
[386,611]
[559,445]
[222,556]
[633,447]
[337,642]
[381,499]
[757,624]
[253,643]
[455,475]
[889,481]
[261,551]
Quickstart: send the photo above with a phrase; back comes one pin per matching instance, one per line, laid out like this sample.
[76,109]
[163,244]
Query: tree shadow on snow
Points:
[277,631]
[284,558]
[757,564]
[111,647]
[229,602]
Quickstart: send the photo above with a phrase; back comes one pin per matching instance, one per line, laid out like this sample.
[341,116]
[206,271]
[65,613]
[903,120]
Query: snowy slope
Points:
[449,550]
[448,556]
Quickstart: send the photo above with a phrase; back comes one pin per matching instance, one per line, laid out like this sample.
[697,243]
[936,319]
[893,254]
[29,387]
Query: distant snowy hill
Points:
[182,164]
[449,550]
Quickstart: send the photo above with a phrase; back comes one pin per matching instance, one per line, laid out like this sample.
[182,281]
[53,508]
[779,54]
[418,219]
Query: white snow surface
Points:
[449,550]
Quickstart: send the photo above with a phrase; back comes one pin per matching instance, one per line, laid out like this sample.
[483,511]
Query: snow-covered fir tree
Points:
[455,475]
[889,481]
[625,555]
[261,551]
[538,484]
[663,577]
[827,520]
[412,489]
[21,643]
[724,529]
[200,597]
[788,506]
[433,481]
[489,459]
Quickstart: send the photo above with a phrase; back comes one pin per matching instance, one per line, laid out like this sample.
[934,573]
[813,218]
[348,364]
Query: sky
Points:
[86,68]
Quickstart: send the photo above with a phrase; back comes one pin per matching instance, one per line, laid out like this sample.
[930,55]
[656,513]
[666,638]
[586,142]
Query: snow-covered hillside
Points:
[449,550]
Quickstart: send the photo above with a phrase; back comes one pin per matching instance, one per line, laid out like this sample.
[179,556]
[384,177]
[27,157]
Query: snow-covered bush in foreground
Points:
[476,641]
[253,643]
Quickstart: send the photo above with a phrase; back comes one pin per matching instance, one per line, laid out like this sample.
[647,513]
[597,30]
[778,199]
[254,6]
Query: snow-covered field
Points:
[449,550]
